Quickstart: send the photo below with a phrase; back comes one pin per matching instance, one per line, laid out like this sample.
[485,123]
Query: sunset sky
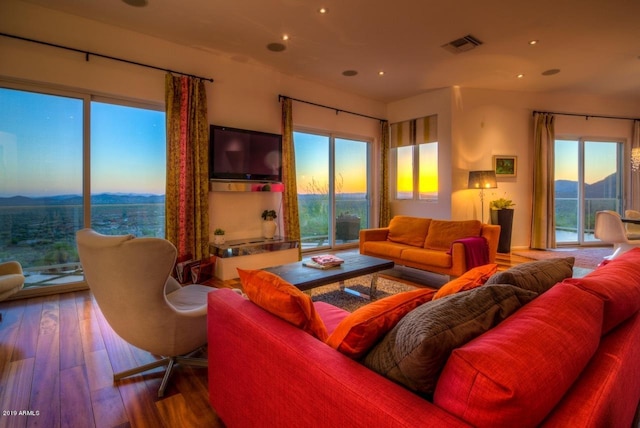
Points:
[600,160]
[41,146]
[312,162]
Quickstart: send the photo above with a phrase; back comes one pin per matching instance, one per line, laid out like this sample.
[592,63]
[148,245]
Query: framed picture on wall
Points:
[505,166]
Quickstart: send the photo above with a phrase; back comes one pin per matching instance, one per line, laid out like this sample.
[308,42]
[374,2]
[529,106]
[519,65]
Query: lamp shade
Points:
[482,180]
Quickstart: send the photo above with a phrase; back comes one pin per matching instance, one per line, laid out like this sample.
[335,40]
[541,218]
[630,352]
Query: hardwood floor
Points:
[57,359]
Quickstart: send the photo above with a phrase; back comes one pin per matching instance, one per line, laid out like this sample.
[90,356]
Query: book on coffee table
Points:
[324,261]
[312,264]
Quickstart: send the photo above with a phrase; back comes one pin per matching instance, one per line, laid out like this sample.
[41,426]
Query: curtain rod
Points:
[88,53]
[337,110]
[587,116]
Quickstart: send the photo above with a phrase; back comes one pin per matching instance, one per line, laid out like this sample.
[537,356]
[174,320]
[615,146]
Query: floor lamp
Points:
[482,180]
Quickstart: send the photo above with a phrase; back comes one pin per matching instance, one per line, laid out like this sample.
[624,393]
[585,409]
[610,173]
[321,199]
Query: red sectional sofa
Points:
[568,358]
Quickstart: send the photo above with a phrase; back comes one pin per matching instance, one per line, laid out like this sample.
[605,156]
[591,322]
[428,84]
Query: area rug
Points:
[332,294]
[588,258]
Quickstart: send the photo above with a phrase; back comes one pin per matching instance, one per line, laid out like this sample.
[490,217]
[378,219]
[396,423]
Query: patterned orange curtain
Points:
[385,210]
[187,203]
[543,221]
[290,194]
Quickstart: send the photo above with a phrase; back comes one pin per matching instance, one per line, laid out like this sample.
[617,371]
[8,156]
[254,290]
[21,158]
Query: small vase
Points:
[218,239]
[268,229]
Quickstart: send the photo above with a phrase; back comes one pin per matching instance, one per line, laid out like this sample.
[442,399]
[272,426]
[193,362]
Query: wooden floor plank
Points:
[89,327]
[139,404]
[75,402]
[70,338]
[192,383]
[27,339]
[45,391]
[15,397]
[108,408]
[9,328]
[99,374]
[175,412]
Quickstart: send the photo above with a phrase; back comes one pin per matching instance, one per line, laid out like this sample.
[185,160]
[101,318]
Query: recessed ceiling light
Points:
[285,37]
[533,42]
[276,47]
[551,72]
[349,73]
[520,76]
[136,3]
[323,10]
[380,73]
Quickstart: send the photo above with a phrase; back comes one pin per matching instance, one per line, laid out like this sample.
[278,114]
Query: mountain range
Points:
[99,199]
[605,188]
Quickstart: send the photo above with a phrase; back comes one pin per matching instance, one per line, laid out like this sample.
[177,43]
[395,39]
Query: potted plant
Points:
[269,225]
[218,236]
[502,214]
[501,204]
[269,214]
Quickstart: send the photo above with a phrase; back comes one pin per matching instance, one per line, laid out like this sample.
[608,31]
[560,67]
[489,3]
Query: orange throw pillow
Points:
[282,299]
[470,279]
[362,329]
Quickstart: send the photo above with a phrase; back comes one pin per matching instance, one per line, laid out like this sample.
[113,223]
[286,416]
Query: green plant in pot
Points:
[218,236]
[269,214]
[501,204]
[269,225]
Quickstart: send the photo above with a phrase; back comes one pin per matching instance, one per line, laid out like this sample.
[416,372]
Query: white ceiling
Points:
[595,43]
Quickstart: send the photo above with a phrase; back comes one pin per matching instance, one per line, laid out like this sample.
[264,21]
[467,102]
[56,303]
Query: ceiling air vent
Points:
[462,44]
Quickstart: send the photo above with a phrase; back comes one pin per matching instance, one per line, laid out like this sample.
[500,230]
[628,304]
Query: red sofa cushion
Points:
[618,284]
[331,315]
[358,332]
[282,299]
[607,392]
[516,373]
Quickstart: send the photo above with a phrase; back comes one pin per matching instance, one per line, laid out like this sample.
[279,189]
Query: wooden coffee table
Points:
[306,278]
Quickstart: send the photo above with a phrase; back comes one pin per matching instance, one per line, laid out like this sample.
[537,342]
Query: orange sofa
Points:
[428,244]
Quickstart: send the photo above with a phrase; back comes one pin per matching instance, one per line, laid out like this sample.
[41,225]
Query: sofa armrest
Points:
[265,372]
[491,233]
[376,234]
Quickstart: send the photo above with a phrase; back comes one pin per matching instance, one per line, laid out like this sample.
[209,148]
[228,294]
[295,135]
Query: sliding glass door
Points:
[588,178]
[50,187]
[333,189]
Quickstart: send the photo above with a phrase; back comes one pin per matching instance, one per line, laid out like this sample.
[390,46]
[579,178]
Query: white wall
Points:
[486,123]
[244,94]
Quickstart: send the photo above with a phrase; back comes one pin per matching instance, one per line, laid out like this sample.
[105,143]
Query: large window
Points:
[415,150]
[46,194]
[332,176]
[128,173]
[588,178]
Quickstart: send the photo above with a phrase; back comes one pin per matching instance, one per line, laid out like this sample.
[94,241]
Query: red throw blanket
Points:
[476,250]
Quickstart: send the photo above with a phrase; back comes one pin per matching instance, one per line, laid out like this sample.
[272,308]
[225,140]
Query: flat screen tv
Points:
[244,155]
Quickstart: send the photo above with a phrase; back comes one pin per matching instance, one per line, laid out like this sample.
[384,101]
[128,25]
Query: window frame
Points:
[411,139]
[87,97]
[332,137]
